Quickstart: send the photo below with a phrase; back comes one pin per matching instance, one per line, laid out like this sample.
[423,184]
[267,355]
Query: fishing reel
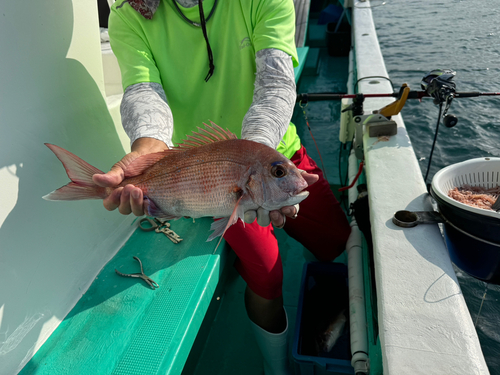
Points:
[439,85]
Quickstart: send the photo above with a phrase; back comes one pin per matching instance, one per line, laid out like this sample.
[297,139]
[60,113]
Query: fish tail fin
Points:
[80,174]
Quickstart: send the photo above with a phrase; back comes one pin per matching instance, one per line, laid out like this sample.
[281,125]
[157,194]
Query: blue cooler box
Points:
[323,291]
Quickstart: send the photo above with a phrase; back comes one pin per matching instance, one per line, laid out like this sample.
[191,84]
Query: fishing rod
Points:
[314,97]
[437,84]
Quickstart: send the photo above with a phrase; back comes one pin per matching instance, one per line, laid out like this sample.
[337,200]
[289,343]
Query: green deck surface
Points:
[121,326]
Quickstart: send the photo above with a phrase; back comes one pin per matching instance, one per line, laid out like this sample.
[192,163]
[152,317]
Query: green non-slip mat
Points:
[122,326]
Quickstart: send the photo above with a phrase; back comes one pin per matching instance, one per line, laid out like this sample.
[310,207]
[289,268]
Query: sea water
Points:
[464,35]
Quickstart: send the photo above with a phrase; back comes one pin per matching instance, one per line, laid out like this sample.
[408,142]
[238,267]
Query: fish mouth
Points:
[290,201]
[297,198]
[299,191]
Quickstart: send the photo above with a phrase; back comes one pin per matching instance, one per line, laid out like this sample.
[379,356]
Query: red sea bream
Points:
[212,173]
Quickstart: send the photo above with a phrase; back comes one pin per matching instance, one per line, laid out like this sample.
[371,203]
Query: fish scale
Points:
[183,186]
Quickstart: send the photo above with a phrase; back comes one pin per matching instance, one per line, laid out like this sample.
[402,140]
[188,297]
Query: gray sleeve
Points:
[145,113]
[273,100]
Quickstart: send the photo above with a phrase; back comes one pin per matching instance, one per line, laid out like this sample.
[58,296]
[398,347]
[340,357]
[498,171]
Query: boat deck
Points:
[225,344]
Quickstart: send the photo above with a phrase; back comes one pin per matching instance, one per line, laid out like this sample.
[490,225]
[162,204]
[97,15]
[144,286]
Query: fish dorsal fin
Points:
[139,165]
[212,133]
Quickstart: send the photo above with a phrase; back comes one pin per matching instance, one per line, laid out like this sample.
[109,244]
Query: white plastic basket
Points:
[483,172]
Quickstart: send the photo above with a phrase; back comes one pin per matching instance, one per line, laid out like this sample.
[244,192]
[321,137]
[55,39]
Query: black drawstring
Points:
[209,49]
[203,25]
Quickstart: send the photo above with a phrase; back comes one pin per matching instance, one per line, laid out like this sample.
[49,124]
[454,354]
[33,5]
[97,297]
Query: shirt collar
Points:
[146,8]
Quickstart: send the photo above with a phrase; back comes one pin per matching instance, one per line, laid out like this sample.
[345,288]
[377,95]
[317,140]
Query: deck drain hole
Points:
[374,82]
[365,34]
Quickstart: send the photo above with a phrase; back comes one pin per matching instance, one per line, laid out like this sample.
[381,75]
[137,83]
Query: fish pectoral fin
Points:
[220,226]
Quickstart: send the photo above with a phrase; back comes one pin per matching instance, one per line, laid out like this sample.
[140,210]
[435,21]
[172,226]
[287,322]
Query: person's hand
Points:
[278,217]
[128,199]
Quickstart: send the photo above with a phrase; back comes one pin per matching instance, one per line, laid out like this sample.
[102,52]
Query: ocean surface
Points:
[464,35]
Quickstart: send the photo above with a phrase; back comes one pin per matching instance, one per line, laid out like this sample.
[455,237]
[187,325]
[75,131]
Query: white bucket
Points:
[482,172]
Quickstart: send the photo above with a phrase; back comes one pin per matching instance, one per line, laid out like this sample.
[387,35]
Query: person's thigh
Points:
[259,261]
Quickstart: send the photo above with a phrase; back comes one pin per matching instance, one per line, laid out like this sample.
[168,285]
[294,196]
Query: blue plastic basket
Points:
[338,360]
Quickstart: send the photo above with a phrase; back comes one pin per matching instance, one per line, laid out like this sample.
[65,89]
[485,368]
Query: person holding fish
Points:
[184,62]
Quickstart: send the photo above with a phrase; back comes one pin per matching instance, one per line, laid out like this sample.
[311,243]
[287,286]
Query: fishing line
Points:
[310,132]
[434,142]
[482,301]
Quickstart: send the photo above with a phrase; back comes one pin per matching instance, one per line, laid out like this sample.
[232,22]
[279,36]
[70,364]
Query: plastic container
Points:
[338,43]
[323,290]
[472,234]
[332,13]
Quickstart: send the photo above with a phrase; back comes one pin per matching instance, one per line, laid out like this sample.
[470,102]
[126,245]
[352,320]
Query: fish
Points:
[327,339]
[325,314]
[211,173]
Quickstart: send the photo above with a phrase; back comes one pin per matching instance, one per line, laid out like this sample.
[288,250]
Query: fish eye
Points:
[279,171]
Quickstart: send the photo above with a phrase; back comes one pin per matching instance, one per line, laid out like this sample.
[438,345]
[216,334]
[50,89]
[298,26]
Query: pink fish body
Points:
[211,174]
